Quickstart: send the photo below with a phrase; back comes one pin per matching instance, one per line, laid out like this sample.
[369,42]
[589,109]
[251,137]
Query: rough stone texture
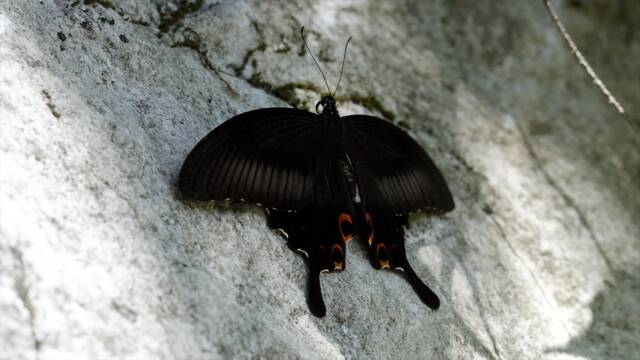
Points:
[100,101]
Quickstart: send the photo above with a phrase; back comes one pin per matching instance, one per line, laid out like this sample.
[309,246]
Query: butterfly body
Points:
[323,180]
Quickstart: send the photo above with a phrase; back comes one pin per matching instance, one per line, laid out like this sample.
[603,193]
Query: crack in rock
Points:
[22,290]
[192,40]
[169,19]
[287,92]
[582,218]
[536,281]
[107,4]
[488,210]
[262,46]
[52,107]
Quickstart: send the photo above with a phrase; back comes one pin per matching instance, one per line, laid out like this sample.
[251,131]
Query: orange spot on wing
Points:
[383,263]
[341,219]
[367,216]
[336,247]
[339,264]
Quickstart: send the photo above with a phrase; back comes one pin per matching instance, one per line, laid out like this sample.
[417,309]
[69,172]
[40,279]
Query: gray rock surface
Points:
[101,100]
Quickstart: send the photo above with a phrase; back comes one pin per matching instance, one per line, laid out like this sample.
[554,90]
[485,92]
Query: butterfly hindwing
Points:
[387,251]
[392,173]
[319,231]
[401,170]
[268,156]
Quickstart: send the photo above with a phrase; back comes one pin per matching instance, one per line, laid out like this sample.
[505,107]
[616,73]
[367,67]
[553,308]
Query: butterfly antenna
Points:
[314,59]
[344,57]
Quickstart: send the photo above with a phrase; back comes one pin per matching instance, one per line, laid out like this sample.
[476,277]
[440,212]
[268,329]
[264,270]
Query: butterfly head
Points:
[328,103]
[327,106]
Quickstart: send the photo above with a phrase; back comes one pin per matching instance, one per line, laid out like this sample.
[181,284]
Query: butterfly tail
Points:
[400,262]
[386,250]
[425,293]
[312,232]
[316,301]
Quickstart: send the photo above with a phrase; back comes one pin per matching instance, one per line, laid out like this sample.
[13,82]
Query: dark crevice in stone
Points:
[52,107]
[262,46]
[104,3]
[125,311]
[286,92]
[107,4]
[170,19]
[370,102]
[22,290]
[239,69]
[192,40]
[283,47]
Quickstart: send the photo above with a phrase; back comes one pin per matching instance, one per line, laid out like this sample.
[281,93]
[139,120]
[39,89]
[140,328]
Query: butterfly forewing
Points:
[269,156]
[388,160]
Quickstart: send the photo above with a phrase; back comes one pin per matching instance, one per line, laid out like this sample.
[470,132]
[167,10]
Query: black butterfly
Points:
[323,180]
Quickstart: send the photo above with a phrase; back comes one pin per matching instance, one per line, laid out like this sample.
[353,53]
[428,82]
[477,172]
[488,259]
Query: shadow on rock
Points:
[615,328]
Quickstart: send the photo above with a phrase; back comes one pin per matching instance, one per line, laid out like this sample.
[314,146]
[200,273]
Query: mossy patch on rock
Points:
[185,7]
